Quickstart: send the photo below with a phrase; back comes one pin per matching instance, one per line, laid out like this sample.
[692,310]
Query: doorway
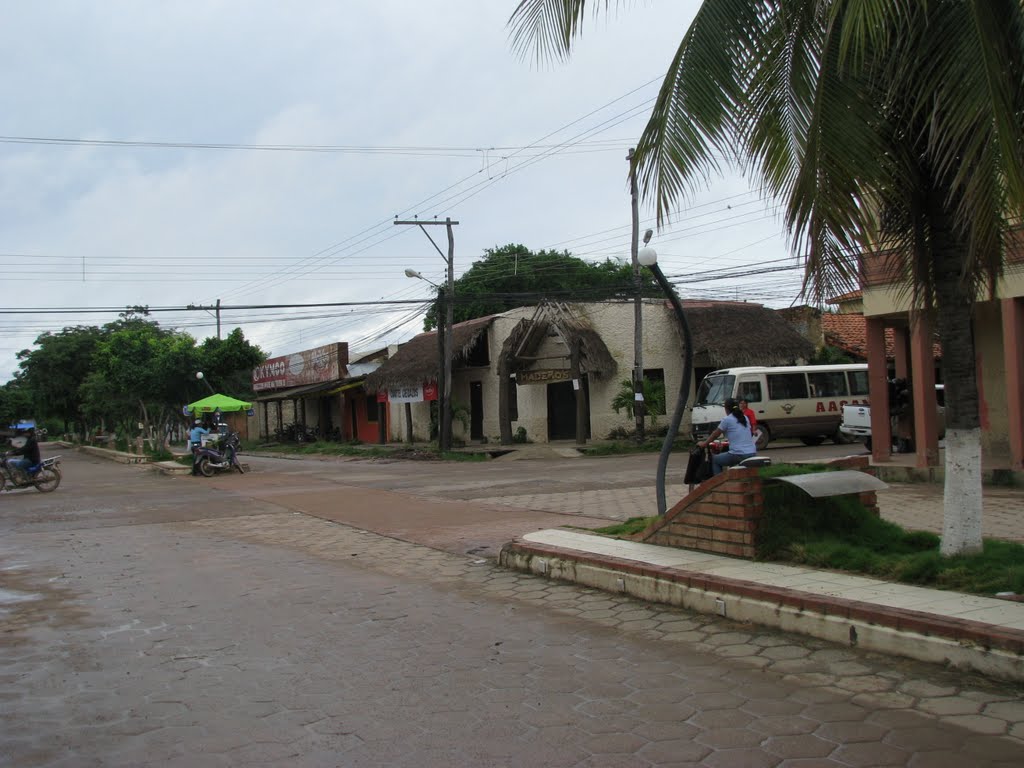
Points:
[562,410]
[476,410]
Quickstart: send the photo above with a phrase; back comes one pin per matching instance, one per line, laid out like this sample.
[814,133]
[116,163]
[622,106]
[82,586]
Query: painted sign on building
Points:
[311,366]
[548,376]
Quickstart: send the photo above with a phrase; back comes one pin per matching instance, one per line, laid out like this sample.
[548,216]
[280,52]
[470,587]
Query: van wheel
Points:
[764,436]
[867,442]
[812,441]
[840,439]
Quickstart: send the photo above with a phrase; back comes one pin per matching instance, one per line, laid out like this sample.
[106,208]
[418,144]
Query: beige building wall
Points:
[662,349]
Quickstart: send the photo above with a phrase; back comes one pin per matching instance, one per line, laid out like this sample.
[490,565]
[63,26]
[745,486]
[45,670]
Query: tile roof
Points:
[849,333]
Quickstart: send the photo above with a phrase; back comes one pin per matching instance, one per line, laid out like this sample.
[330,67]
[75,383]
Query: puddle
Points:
[8,596]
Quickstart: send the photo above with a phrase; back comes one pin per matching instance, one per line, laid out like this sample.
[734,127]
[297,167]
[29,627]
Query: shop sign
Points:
[548,376]
[311,366]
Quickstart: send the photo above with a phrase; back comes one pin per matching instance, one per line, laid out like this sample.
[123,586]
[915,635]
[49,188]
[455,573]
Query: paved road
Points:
[172,621]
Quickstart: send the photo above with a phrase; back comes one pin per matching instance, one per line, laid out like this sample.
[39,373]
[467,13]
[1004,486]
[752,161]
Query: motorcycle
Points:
[223,457]
[44,477]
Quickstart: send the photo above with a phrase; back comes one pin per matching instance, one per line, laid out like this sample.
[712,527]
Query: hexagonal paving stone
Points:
[799,746]
[950,705]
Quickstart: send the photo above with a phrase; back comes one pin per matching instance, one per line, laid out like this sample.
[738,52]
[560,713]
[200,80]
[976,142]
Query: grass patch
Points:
[839,533]
[362,450]
[627,528]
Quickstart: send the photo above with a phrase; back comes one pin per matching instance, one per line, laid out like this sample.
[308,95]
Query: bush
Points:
[838,532]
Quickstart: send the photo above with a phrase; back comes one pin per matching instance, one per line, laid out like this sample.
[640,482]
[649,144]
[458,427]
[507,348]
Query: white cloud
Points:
[168,227]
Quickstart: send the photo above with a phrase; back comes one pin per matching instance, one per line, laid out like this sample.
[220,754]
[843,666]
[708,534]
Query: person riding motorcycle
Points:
[195,440]
[29,452]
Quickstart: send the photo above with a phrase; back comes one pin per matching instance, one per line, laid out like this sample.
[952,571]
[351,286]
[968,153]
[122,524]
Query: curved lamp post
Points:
[202,378]
[648,257]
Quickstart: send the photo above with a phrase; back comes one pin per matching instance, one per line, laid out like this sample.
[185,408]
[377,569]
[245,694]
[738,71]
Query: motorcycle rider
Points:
[195,440]
[29,452]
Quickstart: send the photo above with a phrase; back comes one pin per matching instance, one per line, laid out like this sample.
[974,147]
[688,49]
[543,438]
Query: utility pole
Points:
[444,393]
[218,319]
[638,333]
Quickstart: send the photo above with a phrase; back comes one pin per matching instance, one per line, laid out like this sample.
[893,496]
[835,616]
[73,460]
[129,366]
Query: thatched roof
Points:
[418,359]
[738,333]
[526,337]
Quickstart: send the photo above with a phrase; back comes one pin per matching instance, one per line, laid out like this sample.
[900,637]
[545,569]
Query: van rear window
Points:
[827,383]
[786,386]
[858,382]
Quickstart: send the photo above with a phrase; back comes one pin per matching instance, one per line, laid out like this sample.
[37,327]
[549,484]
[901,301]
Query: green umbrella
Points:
[221,403]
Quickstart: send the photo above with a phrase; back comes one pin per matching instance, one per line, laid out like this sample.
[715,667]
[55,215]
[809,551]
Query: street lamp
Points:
[639,406]
[202,378]
[445,395]
[648,257]
[444,391]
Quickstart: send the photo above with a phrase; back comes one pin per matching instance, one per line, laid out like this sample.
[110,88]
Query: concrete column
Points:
[878,390]
[922,362]
[1013,351]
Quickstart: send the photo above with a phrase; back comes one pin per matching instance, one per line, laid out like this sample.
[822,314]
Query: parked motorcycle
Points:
[44,477]
[219,457]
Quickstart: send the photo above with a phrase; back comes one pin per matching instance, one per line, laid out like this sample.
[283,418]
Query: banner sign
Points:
[549,376]
[416,394]
[405,394]
[312,366]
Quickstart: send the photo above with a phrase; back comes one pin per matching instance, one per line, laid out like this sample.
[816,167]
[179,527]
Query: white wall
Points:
[662,348]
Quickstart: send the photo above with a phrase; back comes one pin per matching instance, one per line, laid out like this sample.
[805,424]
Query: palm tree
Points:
[882,124]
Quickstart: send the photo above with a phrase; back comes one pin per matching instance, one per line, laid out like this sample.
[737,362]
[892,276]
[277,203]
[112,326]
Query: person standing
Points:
[751,418]
[736,430]
[195,440]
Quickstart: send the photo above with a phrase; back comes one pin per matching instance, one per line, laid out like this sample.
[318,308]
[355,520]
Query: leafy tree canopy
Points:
[514,276]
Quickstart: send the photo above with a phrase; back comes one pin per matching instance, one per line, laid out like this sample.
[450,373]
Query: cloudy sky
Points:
[256,152]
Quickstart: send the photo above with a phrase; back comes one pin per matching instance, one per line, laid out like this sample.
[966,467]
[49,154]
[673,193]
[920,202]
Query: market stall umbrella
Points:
[221,403]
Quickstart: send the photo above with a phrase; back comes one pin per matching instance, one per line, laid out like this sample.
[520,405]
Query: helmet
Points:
[197,423]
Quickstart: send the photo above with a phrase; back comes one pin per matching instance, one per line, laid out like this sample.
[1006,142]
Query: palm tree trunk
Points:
[954,300]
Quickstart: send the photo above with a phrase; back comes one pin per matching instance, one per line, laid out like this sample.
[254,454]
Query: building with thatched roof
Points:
[551,372]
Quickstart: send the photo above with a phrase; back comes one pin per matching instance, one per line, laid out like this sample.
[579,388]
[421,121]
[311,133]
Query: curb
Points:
[993,651]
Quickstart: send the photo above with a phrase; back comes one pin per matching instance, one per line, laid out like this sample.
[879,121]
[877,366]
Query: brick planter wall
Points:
[721,515]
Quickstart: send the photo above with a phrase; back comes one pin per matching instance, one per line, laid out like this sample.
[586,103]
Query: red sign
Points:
[430,390]
[382,396]
[312,366]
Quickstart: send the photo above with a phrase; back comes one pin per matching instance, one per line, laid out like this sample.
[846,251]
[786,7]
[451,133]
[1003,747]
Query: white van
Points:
[803,401]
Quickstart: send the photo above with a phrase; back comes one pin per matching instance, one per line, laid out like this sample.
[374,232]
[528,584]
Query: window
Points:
[827,383]
[858,382]
[749,391]
[786,386]
[371,409]
[655,386]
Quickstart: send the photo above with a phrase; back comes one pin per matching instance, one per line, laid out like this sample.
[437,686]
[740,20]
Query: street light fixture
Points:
[201,377]
[648,257]
[444,431]
[445,392]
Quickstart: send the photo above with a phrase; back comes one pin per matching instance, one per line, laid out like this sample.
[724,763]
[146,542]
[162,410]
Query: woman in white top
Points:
[737,431]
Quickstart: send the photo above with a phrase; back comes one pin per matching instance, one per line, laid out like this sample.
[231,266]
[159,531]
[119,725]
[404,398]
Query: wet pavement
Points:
[260,620]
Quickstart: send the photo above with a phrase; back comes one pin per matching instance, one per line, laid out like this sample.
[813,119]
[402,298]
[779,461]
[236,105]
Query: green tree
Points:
[881,124]
[228,363]
[514,276]
[654,398]
[15,402]
[54,371]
